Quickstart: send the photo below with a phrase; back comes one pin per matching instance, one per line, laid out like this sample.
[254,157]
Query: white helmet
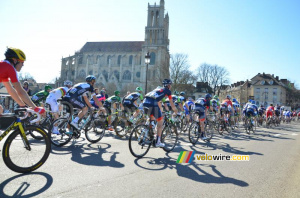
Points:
[68,82]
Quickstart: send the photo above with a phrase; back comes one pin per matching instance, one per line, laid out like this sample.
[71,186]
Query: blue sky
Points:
[245,36]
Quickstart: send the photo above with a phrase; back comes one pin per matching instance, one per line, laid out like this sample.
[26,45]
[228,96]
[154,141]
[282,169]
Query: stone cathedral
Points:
[120,65]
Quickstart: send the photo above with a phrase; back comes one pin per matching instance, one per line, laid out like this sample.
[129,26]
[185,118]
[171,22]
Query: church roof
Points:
[117,46]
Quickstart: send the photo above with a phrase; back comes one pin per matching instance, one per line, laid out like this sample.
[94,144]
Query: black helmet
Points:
[207,96]
[182,93]
[166,82]
[25,83]
[89,78]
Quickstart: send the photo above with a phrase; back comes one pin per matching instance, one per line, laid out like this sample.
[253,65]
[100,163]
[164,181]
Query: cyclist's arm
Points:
[173,106]
[18,94]
[99,104]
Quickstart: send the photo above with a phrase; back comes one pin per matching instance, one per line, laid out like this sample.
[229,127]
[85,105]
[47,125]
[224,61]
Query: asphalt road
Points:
[107,169]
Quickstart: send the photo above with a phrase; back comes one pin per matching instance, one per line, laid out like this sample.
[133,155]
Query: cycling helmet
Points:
[47,87]
[89,78]
[182,93]
[68,83]
[15,53]
[207,96]
[176,93]
[250,101]
[190,98]
[228,97]
[234,100]
[166,82]
[102,91]
[117,93]
[253,101]
[216,97]
[139,89]
[25,83]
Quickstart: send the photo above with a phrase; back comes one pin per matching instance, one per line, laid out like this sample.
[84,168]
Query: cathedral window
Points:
[105,74]
[73,61]
[130,59]
[80,60]
[152,59]
[138,74]
[119,60]
[82,74]
[67,62]
[127,75]
[117,74]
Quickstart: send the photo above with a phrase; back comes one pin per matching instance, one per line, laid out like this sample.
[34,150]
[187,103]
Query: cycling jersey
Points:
[151,101]
[74,95]
[54,96]
[181,99]
[200,105]
[190,105]
[133,97]
[100,97]
[8,72]
[40,96]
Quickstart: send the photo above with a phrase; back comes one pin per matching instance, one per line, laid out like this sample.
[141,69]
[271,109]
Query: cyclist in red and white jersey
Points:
[14,61]
[269,111]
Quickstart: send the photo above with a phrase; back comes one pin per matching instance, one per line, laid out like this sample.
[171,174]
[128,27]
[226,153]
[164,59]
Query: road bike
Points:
[22,151]
[143,136]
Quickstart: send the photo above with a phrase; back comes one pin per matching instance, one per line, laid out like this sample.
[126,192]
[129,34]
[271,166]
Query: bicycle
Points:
[249,124]
[195,130]
[143,136]
[93,128]
[22,152]
[224,125]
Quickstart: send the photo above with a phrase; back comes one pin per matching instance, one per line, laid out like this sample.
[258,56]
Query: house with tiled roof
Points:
[121,64]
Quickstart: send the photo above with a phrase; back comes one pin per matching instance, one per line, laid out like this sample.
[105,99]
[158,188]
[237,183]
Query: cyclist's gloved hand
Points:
[39,110]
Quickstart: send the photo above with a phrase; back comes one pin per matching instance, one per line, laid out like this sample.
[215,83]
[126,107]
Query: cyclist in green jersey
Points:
[110,104]
[41,96]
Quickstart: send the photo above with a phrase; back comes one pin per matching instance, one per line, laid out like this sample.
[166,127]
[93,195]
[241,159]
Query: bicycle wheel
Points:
[194,132]
[21,159]
[169,137]
[94,131]
[247,126]
[209,131]
[139,141]
[63,137]
[119,127]
[184,124]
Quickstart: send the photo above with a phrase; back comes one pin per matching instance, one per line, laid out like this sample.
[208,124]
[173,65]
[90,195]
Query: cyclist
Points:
[236,109]
[202,105]
[153,107]
[13,63]
[52,100]
[100,97]
[78,97]
[250,109]
[269,112]
[188,106]
[230,108]
[110,104]
[131,102]
[261,111]
[41,95]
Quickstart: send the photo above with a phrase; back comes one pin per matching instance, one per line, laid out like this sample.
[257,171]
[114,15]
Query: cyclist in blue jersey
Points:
[153,107]
[78,97]
[188,106]
[236,109]
[131,103]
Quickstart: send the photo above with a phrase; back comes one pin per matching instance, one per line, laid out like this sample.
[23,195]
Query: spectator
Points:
[26,88]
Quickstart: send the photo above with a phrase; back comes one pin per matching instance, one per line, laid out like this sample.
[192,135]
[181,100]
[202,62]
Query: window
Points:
[73,73]
[274,91]
[257,90]
[117,74]
[82,74]
[73,61]
[130,59]
[262,82]
[119,60]
[138,74]
[271,82]
[108,60]
[152,59]
[105,74]
[80,60]
[127,75]
[67,62]
[274,98]
[98,59]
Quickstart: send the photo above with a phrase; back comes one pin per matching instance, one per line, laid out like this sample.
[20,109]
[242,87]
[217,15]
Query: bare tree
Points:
[179,70]
[215,75]
[25,76]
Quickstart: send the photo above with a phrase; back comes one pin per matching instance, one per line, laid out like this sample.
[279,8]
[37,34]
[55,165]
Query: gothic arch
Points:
[126,75]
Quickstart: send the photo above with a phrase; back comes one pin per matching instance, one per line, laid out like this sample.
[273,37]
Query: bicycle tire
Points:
[63,127]
[139,140]
[194,132]
[209,130]
[93,132]
[119,127]
[169,131]
[14,149]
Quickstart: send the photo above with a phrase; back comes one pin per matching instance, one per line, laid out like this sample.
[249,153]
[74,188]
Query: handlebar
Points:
[27,110]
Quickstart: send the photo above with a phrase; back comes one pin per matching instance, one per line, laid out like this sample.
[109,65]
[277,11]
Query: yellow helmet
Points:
[15,53]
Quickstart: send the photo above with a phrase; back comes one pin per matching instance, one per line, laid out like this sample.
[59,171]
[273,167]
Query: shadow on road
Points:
[26,185]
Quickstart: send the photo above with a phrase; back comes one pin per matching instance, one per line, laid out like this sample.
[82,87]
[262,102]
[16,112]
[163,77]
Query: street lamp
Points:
[147,61]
